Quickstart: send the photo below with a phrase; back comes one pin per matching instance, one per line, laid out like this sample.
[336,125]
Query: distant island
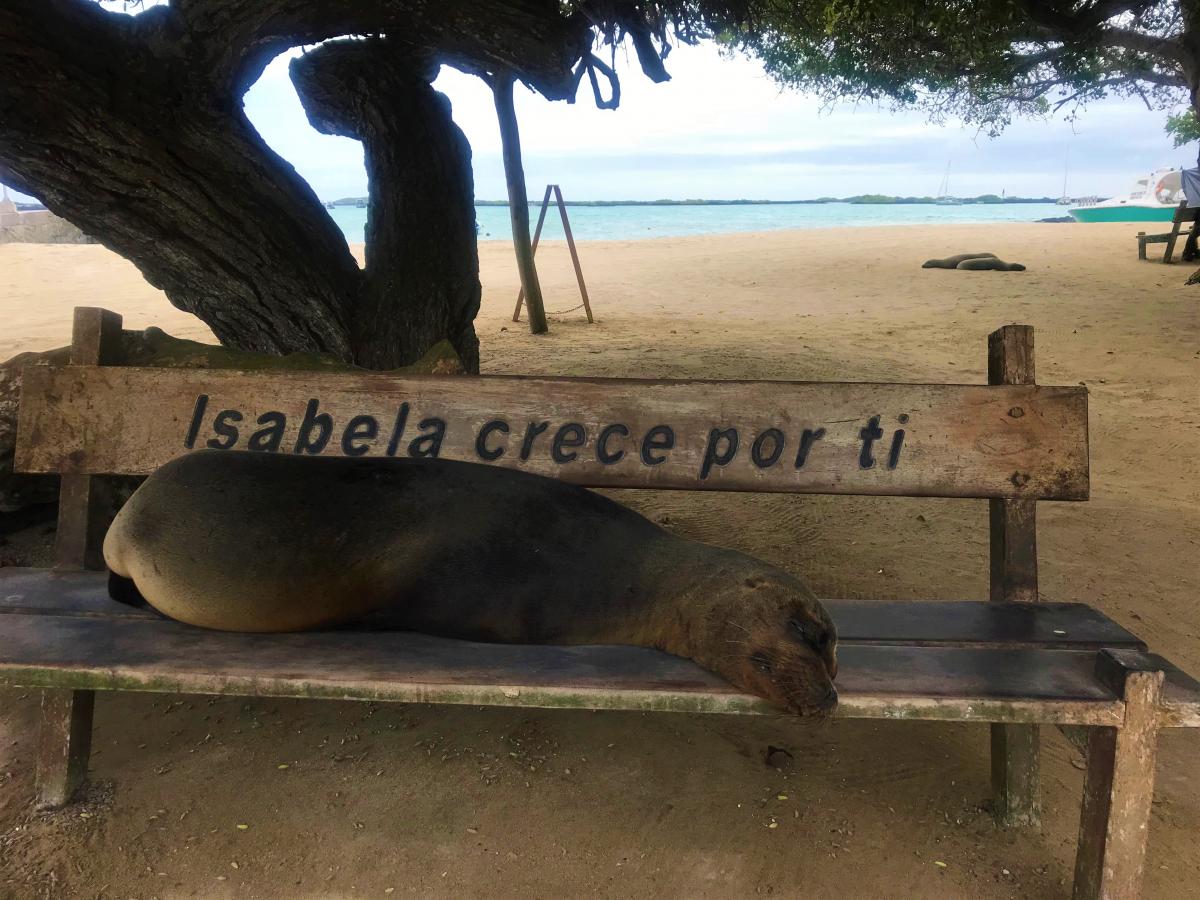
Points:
[861,199]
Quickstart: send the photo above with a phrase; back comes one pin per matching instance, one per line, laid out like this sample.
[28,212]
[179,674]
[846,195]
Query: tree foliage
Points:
[984,61]
[1184,127]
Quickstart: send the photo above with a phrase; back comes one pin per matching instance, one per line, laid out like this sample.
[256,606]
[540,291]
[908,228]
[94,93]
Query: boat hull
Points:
[1123,213]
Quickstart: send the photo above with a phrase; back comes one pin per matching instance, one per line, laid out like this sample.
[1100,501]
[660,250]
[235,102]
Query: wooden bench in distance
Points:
[1009,661]
[1183,215]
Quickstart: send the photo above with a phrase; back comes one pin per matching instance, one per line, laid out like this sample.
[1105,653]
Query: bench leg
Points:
[1016,771]
[1115,820]
[1141,238]
[64,742]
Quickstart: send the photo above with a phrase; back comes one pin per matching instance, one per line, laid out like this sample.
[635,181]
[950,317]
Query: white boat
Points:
[1153,198]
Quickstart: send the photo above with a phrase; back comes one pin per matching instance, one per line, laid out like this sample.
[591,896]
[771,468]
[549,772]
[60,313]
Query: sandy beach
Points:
[351,800]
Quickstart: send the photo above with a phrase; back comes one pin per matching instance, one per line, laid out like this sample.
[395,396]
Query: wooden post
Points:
[518,200]
[1176,223]
[1115,820]
[65,736]
[95,340]
[537,234]
[1013,529]
[64,743]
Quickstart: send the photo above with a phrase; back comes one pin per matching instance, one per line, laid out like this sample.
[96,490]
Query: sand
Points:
[461,802]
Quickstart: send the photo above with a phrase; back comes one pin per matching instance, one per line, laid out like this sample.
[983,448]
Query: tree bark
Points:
[421,282]
[131,128]
[140,152]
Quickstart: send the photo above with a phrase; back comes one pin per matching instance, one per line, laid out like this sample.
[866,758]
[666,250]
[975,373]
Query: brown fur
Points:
[263,542]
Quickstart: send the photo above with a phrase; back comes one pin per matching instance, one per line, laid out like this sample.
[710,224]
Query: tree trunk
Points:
[422,268]
[140,153]
[131,128]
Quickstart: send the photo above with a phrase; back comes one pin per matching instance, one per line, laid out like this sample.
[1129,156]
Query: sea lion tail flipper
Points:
[123,590]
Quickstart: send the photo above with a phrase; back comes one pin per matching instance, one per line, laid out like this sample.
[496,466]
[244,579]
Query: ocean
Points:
[624,223]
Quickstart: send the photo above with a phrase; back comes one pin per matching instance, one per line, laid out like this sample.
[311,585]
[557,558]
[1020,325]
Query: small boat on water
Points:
[1153,198]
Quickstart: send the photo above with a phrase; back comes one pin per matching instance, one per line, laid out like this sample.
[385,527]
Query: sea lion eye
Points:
[811,634]
[761,662]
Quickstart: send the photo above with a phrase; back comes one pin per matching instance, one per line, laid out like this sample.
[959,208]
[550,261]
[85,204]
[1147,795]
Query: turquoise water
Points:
[623,223]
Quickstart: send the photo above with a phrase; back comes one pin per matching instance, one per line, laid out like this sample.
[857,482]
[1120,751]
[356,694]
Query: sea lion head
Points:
[771,636]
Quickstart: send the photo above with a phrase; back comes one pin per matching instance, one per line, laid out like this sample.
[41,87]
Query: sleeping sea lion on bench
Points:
[261,542]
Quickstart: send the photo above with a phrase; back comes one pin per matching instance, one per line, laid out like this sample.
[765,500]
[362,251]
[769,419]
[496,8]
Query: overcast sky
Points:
[721,129]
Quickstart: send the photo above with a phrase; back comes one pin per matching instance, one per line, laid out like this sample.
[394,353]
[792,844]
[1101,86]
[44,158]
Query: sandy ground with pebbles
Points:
[363,800]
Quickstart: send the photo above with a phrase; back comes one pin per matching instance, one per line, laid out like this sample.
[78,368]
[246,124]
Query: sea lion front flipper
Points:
[123,590]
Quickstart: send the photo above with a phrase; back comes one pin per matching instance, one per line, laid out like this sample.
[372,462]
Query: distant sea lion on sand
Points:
[989,263]
[951,262]
[263,542]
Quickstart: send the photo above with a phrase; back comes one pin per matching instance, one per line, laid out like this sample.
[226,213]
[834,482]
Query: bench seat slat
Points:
[875,681]
[965,623]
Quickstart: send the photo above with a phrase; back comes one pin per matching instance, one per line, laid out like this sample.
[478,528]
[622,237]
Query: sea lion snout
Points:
[780,644]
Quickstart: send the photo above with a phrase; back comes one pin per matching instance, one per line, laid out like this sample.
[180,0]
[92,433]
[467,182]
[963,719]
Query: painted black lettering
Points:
[222,427]
[268,439]
[197,418]
[765,460]
[715,457]
[897,446]
[603,454]
[430,443]
[532,430]
[808,437]
[305,442]
[398,429]
[869,433]
[660,437]
[360,428]
[481,447]
[570,435]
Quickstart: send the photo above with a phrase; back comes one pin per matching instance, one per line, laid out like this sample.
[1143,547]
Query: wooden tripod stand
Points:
[537,233]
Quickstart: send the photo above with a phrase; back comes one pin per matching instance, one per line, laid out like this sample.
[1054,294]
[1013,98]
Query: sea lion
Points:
[989,263]
[951,262]
[241,541]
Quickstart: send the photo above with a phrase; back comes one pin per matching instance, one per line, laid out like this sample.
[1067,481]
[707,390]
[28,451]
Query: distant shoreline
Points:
[861,200]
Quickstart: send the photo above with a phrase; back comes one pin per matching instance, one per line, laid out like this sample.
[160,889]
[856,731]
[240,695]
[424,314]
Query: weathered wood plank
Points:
[1114,823]
[912,622]
[972,684]
[882,439]
[82,506]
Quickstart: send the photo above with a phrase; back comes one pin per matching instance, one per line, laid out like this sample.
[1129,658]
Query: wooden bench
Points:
[1183,215]
[1010,661]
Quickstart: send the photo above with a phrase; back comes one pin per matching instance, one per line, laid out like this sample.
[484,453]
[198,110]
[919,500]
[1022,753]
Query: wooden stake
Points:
[64,743]
[518,200]
[537,234]
[1013,528]
[1115,820]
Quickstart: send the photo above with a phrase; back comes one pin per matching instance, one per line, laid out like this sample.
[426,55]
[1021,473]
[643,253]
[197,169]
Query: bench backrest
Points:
[1011,441]
[1004,441]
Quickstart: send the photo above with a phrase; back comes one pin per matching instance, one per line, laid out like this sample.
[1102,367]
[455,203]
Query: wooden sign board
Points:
[878,439]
